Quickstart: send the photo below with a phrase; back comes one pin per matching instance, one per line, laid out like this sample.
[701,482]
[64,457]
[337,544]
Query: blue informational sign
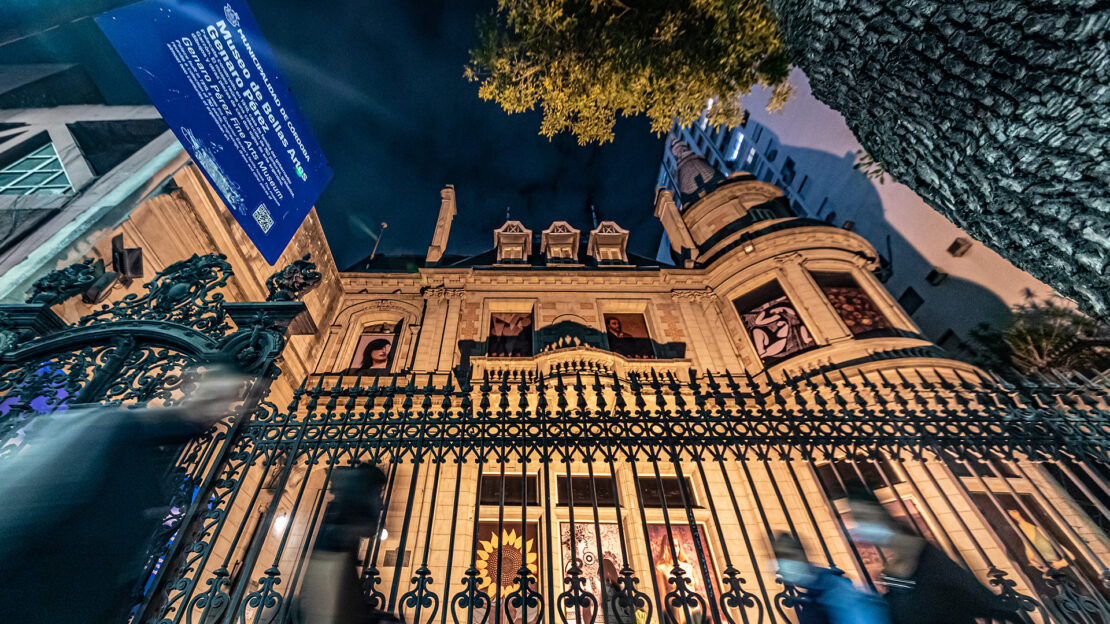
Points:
[214,79]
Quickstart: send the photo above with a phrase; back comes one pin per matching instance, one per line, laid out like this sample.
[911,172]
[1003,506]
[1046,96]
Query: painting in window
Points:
[500,555]
[1041,543]
[682,539]
[510,334]
[776,330]
[855,308]
[628,335]
[581,544]
[374,351]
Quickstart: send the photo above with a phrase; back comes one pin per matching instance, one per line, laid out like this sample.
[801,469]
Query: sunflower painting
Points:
[515,548]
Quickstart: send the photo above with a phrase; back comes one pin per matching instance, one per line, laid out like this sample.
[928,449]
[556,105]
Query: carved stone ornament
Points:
[700,294]
[442,292]
[254,345]
[185,292]
[294,281]
[61,284]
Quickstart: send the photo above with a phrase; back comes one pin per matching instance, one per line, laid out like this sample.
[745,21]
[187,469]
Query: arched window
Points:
[852,304]
[374,352]
[776,329]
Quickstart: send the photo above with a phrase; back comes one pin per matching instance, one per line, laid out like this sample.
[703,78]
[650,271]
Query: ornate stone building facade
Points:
[571,434]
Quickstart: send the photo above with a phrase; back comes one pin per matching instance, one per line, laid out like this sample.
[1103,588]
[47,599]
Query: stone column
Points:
[692,306]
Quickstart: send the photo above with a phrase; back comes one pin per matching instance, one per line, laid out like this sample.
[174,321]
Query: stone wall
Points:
[996,112]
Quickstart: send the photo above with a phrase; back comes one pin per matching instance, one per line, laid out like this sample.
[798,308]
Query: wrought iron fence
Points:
[581,497]
[584,498]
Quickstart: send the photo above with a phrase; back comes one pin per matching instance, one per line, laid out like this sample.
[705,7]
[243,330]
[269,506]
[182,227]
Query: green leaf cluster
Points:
[583,62]
[1045,337]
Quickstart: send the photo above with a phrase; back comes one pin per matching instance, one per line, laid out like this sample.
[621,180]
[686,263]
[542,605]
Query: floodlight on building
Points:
[280,524]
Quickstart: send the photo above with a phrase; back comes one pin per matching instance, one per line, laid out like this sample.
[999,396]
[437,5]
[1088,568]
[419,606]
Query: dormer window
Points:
[513,243]
[608,244]
[559,243]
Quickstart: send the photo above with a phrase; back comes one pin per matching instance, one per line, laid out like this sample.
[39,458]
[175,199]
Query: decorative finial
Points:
[61,284]
[294,281]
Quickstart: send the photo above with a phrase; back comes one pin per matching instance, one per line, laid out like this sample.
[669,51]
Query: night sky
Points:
[382,83]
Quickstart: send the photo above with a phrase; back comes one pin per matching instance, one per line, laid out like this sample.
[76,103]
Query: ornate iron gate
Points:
[580,497]
[145,351]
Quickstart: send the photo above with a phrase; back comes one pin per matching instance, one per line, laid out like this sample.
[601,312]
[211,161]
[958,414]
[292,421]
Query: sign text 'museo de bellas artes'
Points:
[214,79]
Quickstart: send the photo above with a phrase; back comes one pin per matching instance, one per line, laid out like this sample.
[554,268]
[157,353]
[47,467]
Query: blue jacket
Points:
[833,599]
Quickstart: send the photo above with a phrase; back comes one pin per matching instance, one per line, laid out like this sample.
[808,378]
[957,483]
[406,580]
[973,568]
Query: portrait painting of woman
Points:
[374,351]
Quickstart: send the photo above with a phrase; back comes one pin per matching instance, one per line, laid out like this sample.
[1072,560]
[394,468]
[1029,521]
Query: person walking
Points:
[332,593]
[827,597]
[924,585]
[82,497]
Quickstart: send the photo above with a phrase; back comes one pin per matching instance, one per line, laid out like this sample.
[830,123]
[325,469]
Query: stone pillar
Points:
[822,322]
[705,343]
[449,340]
[431,335]
[667,212]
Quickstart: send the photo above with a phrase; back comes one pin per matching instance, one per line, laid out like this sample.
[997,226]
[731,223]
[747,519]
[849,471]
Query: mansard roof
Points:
[488,260]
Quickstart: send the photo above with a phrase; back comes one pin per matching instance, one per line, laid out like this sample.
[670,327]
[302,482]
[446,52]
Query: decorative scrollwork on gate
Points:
[184,293]
[57,286]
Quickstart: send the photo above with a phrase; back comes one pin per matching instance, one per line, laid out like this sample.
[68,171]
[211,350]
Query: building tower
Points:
[809,153]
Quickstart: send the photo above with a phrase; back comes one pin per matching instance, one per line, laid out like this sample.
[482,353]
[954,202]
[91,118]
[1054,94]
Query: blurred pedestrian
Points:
[82,497]
[332,592]
[826,597]
[924,586]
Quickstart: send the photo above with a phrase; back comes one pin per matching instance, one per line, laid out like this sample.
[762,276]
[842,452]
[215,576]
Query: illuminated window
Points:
[374,351]
[38,172]
[510,334]
[628,335]
[776,329]
[852,304]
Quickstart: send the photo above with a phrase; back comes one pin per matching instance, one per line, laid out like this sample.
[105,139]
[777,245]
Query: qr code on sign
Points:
[263,219]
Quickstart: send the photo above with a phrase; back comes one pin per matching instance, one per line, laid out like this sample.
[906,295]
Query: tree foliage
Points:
[586,61]
[1045,337]
[869,167]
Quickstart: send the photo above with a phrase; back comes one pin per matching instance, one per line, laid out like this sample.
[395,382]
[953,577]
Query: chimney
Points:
[443,224]
[666,210]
